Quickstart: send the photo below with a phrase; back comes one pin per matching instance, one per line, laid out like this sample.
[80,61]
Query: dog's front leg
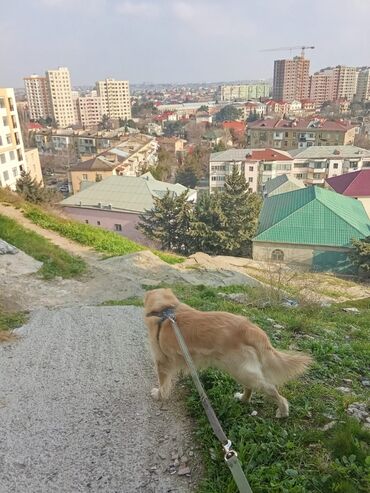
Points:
[165,382]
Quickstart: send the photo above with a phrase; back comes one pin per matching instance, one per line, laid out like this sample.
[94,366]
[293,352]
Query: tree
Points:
[105,123]
[361,256]
[186,176]
[252,116]
[204,107]
[173,129]
[227,113]
[33,192]
[220,146]
[241,210]
[169,222]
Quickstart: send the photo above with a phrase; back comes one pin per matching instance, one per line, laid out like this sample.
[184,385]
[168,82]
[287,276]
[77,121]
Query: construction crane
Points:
[290,48]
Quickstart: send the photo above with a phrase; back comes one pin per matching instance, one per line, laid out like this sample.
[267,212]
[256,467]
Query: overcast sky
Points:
[176,40]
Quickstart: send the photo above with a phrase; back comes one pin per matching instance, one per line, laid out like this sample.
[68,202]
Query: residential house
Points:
[274,107]
[311,227]
[281,184]
[286,134]
[257,165]
[355,184]
[128,157]
[315,164]
[116,203]
[237,128]
[203,117]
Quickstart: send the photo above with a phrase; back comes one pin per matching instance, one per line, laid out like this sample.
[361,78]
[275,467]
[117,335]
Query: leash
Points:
[231,457]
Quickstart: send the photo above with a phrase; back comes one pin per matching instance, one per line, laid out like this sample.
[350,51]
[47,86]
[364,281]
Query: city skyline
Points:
[176,41]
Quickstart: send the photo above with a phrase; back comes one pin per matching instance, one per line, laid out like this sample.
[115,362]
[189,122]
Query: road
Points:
[75,407]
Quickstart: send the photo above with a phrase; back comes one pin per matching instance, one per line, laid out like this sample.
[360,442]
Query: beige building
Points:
[128,158]
[59,83]
[38,97]
[115,98]
[291,79]
[12,160]
[322,86]
[89,110]
[34,165]
[345,82]
[363,85]
[279,133]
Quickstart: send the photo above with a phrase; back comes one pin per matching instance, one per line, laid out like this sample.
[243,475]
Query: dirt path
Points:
[76,413]
[70,246]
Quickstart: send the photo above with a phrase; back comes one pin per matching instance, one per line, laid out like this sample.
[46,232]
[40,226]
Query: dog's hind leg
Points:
[165,377]
[283,405]
[244,396]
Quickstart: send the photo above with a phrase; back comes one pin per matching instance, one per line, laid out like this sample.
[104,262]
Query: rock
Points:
[351,310]
[358,410]
[289,303]
[365,383]
[271,320]
[329,426]
[191,453]
[345,390]
[235,297]
[176,463]
[254,413]
[184,460]
[347,381]
[5,248]
[278,326]
[183,471]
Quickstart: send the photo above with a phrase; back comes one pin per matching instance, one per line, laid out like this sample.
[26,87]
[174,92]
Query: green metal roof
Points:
[282,184]
[312,216]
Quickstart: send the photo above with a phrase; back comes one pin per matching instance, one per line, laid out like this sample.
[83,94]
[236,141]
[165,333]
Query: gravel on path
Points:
[75,408]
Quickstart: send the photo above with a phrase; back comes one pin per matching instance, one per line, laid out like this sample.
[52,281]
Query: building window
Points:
[5,121]
[6,175]
[250,180]
[9,139]
[15,171]
[2,104]
[277,255]
[335,165]
[86,221]
[98,223]
[251,168]
[2,158]
[117,227]
[84,177]
[12,155]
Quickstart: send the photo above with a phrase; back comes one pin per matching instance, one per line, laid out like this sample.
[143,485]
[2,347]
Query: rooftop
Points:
[353,184]
[251,154]
[303,124]
[330,152]
[282,183]
[123,193]
[312,216]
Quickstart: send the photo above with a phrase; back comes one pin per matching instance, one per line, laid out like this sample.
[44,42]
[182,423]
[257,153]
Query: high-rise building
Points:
[345,82]
[12,158]
[60,90]
[89,110]
[244,92]
[291,79]
[363,85]
[38,97]
[115,98]
[322,86]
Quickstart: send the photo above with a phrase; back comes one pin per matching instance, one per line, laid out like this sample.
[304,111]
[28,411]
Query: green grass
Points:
[293,455]
[10,321]
[56,262]
[106,242]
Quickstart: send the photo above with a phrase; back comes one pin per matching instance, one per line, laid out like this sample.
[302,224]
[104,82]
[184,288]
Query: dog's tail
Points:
[281,366]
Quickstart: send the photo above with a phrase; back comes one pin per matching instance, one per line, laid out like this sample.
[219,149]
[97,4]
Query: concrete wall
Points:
[366,203]
[76,177]
[33,164]
[107,221]
[301,255]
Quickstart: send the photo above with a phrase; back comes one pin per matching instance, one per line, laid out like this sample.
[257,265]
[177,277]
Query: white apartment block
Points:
[311,166]
[38,97]
[12,157]
[363,85]
[89,110]
[60,90]
[345,82]
[115,98]
[244,92]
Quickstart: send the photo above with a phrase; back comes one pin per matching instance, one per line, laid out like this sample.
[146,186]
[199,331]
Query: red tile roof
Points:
[353,184]
[237,126]
[269,155]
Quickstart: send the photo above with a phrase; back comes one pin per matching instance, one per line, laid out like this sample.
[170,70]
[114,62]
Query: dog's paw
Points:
[156,394]
[282,414]
[238,396]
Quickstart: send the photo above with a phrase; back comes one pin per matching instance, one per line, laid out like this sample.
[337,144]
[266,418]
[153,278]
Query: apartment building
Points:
[38,97]
[243,92]
[315,164]
[322,86]
[363,85]
[89,110]
[257,165]
[59,83]
[115,98]
[291,79]
[300,133]
[12,158]
[345,82]
[127,158]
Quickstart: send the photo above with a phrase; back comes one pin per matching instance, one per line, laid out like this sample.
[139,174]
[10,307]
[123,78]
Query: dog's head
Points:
[157,300]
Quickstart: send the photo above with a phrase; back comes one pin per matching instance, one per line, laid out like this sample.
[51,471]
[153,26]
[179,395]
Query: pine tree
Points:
[241,209]
[29,188]
[169,222]
[361,256]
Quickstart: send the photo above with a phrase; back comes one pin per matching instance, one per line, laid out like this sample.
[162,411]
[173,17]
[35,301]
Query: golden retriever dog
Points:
[221,340]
